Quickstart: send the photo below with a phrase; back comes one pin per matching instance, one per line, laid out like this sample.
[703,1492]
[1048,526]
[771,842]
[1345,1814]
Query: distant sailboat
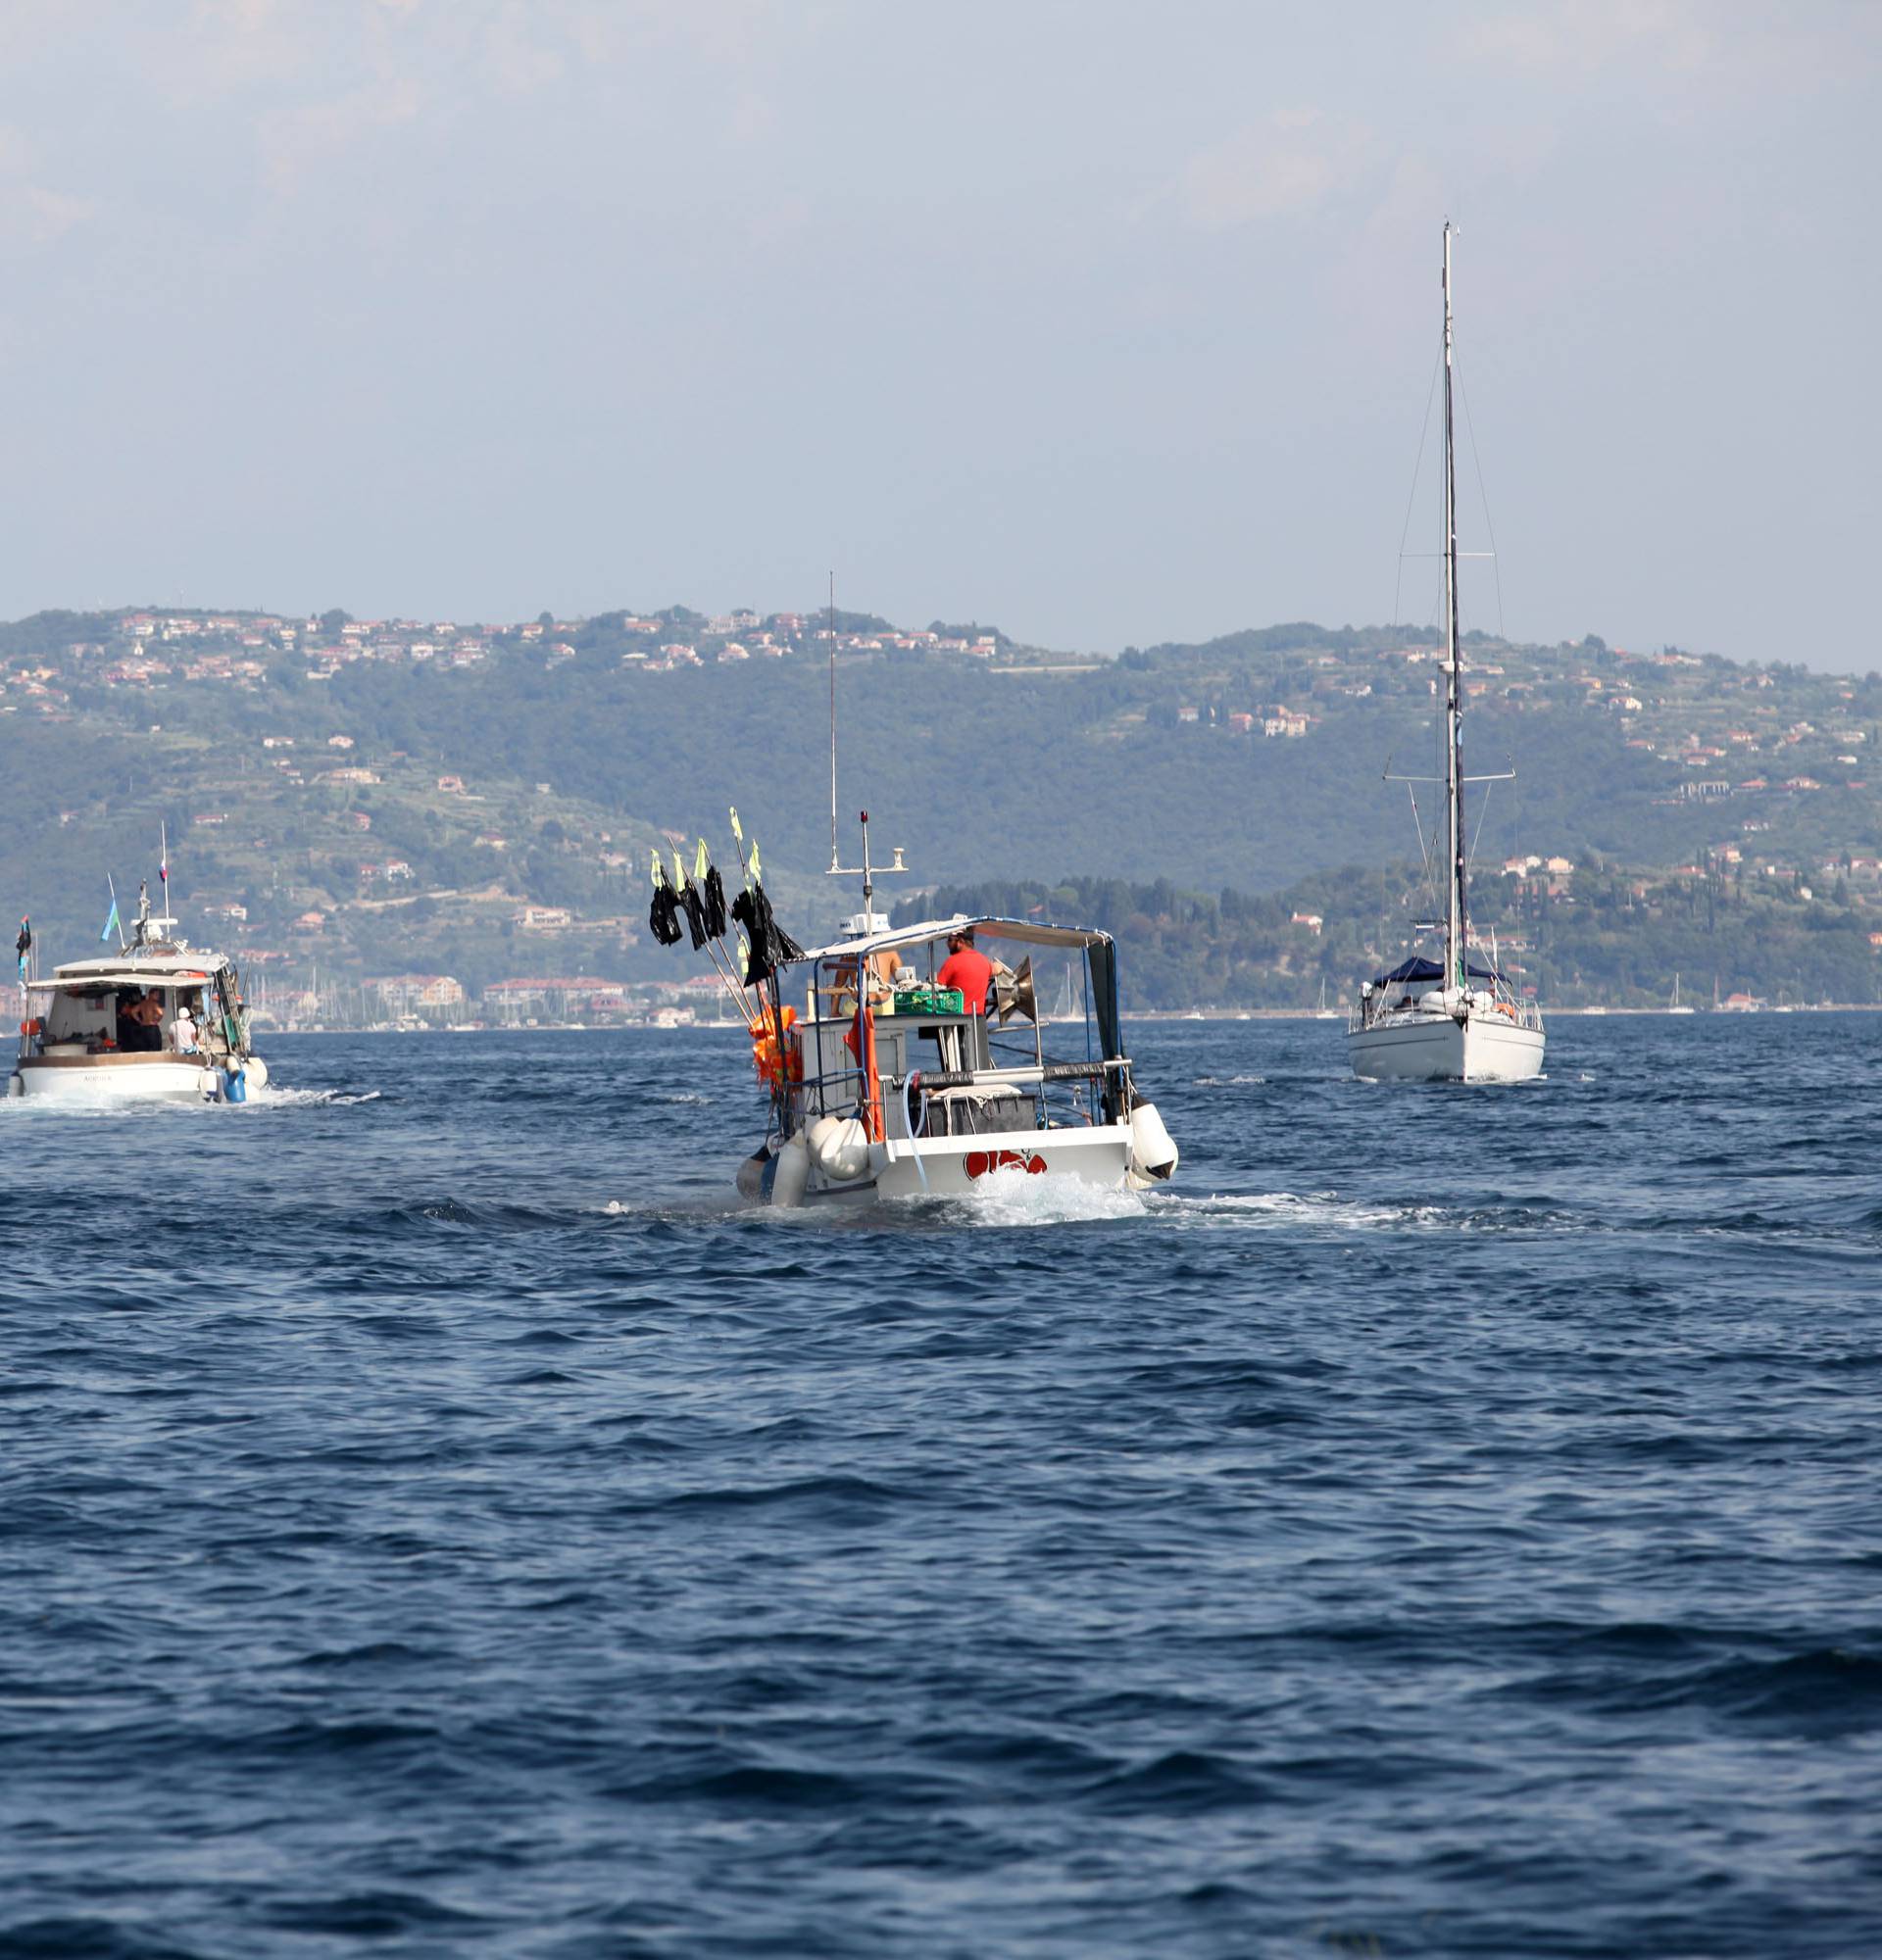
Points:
[1324,1012]
[1673,1007]
[1452,1020]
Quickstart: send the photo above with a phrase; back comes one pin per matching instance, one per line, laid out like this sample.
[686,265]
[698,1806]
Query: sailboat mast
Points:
[1454,958]
[835,857]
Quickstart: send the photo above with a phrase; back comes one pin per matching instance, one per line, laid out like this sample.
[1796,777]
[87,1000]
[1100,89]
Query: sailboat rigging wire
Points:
[1476,836]
[1483,496]
[1411,503]
[1418,824]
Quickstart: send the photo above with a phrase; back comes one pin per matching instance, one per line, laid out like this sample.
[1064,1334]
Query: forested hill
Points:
[295,761]
[1591,936]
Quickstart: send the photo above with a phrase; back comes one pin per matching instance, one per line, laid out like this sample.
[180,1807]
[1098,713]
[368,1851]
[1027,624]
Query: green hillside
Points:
[1610,938]
[401,795]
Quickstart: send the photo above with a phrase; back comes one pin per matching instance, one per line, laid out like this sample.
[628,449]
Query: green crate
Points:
[931,1001]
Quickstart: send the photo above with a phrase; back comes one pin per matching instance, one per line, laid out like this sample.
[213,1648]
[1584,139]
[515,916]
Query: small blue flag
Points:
[110,924]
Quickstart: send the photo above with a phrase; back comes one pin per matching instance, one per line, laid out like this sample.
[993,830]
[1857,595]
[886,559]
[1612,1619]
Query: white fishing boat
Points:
[1455,1018]
[910,1092]
[918,1061]
[157,1020]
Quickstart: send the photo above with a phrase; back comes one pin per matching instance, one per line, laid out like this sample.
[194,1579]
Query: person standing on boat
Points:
[969,969]
[138,1024]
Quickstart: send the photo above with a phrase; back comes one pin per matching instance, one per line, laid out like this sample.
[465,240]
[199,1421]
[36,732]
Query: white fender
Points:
[256,1070]
[792,1174]
[1154,1156]
[839,1147]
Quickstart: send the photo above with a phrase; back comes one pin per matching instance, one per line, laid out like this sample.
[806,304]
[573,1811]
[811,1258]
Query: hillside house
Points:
[404,993]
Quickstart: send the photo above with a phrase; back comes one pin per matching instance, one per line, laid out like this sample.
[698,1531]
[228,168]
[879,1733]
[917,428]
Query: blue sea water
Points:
[435,1521]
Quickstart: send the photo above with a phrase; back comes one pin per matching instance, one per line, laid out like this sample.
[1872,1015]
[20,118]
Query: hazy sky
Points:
[1109,323]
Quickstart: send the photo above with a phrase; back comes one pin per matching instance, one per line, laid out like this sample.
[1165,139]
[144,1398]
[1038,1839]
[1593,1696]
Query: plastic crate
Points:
[931,1001]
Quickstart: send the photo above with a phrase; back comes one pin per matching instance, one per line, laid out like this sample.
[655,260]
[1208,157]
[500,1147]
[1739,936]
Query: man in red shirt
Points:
[968,970]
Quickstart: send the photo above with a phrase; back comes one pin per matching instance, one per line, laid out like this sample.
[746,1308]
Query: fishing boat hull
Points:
[93,1079]
[1102,1156]
[1438,1047]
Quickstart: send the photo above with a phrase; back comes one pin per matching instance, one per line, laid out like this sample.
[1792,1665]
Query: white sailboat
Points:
[1675,1007]
[1452,1019]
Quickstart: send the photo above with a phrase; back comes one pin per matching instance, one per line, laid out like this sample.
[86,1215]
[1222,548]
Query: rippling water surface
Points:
[434,1520]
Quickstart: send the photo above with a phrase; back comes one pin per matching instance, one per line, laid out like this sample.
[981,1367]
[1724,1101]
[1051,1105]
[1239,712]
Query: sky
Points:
[1109,323]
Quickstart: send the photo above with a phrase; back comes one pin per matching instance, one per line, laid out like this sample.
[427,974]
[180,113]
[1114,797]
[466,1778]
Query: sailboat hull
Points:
[1435,1048]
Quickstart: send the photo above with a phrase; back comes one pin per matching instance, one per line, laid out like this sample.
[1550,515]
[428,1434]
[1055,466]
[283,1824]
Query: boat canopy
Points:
[181,969]
[1415,970]
[1099,946]
[1028,932]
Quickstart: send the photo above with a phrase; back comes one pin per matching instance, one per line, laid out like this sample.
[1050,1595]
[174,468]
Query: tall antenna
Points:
[835,856]
[838,868]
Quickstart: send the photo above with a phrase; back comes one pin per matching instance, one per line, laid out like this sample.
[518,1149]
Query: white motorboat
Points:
[159,1020]
[1450,1020]
[907,1093]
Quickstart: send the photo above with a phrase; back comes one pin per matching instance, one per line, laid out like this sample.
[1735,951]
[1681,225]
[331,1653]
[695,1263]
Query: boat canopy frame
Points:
[127,976]
[1027,932]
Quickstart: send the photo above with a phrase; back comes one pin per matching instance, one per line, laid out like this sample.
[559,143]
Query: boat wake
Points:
[1009,1198]
[1326,1211]
[271,1097]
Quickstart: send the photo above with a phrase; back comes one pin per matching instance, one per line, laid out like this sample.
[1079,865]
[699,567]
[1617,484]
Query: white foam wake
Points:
[1012,1197]
[274,1097]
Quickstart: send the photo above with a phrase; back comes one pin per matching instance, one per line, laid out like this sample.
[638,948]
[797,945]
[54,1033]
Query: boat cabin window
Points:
[125,1017]
[87,1015]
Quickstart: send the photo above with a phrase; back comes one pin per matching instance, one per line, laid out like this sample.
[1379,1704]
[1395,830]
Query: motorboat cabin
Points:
[157,1021]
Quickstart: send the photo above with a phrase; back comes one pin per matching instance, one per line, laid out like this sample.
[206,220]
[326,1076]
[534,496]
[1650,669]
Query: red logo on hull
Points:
[980,1162]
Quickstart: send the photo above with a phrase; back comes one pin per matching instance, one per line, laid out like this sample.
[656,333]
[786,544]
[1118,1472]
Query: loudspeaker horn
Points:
[1013,993]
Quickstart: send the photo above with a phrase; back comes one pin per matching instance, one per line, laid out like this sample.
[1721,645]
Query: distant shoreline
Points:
[1148,1014]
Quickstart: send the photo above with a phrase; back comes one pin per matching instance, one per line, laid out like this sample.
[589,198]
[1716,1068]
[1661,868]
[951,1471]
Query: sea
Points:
[437,1520]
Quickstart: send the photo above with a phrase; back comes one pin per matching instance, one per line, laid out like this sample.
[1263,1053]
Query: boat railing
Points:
[1060,1092]
[1371,1008]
